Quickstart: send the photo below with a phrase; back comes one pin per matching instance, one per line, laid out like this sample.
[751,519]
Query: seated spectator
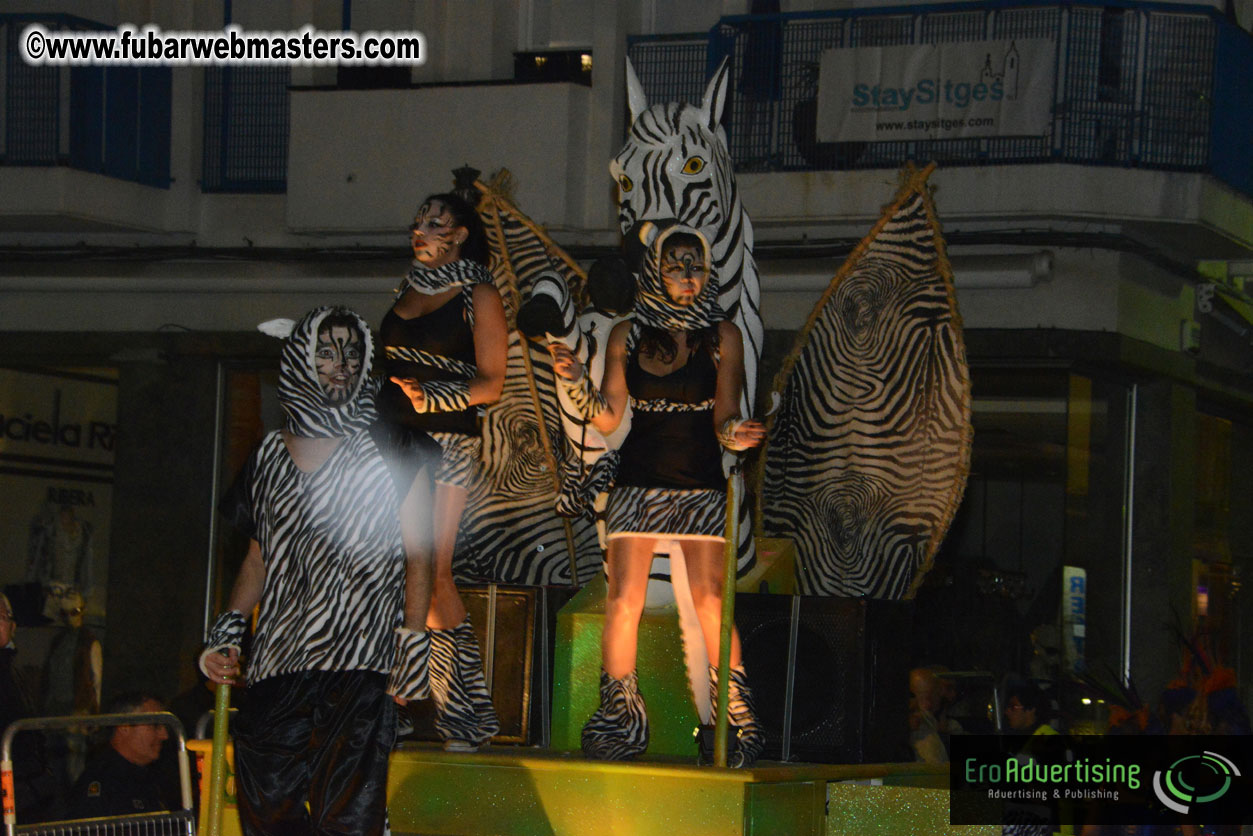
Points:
[120,780]
[34,785]
[926,734]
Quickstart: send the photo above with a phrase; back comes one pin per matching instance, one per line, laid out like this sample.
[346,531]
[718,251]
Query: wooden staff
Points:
[217,766]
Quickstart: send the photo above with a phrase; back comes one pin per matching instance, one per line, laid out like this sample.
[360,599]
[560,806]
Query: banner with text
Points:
[936,91]
[57,433]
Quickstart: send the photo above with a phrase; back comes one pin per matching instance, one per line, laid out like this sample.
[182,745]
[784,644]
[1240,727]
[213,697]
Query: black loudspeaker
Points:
[516,628]
[830,676]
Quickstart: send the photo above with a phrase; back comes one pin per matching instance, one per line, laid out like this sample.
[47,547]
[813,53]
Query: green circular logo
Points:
[1194,779]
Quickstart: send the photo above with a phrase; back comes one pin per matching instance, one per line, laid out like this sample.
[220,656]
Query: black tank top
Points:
[672,442]
[444,332]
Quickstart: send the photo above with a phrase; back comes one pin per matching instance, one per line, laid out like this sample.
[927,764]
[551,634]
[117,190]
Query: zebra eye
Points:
[625,183]
[693,165]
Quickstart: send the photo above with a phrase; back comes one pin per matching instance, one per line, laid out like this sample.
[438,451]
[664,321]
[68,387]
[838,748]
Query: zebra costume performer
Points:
[679,365]
[431,359]
[336,506]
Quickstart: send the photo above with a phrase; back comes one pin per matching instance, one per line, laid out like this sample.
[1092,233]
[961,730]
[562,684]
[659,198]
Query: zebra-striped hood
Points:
[653,305]
[304,403]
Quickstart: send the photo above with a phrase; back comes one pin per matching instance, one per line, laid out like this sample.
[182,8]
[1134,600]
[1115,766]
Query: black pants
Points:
[317,737]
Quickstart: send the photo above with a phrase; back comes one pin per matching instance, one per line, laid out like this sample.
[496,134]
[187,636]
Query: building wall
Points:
[1112,308]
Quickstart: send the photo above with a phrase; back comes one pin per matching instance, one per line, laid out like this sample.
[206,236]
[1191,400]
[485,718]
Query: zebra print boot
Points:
[618,731]
[471,661]
[464,715]
[747,739]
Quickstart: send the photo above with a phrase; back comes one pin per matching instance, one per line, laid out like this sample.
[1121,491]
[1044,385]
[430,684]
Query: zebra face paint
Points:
[304,391]
[434,236]
[684,272]
[685,300]
[337,359]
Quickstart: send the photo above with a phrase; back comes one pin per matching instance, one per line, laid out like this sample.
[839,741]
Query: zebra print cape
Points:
[304,403]
[867,456]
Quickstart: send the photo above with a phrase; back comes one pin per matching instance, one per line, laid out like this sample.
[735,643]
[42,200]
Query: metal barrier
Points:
[1137,84]
[170,823]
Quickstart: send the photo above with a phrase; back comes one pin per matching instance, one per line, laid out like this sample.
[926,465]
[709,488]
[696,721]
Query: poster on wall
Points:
[1074,617]
[961,90]
[57,433]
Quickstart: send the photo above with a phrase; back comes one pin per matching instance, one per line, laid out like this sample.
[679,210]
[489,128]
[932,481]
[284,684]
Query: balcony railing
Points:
[247,119]
[1136,84]
[109,120]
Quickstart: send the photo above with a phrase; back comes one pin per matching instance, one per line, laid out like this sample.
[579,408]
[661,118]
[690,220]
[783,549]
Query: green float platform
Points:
[528,792]
[517,791]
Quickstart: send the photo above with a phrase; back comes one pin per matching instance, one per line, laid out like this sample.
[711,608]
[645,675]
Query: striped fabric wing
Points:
[510,531]
[868,453]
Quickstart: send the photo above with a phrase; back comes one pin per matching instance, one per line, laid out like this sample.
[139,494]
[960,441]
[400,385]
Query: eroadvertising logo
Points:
[1194,780]
[936,91]
[1083,779]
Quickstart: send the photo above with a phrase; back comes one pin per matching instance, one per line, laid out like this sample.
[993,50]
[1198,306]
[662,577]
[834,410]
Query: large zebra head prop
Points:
[675,164]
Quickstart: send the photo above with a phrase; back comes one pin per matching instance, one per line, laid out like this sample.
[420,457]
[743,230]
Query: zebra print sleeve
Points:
[227,632]
[445,396]
[584,396]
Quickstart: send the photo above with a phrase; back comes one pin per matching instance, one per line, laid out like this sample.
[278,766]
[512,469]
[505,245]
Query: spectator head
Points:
[7,625]
[1022,705]
[139,744]
[70,606]
[926,689]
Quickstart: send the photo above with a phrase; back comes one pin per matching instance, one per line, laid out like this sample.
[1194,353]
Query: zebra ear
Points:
[648,232]
[716,96]
[280,328]
[637,102]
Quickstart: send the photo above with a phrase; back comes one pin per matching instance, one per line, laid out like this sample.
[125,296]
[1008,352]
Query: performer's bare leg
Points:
[627,565]
[447,610]
[705,572]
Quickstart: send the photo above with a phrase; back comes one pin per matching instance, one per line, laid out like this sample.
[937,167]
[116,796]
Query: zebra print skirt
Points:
[460,465]
[673,512]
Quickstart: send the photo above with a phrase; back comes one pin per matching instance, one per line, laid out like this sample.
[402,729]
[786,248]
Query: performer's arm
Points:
[613,382]
[603,407]
[249,583]
[734,432]
[491,344]
[228,630]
